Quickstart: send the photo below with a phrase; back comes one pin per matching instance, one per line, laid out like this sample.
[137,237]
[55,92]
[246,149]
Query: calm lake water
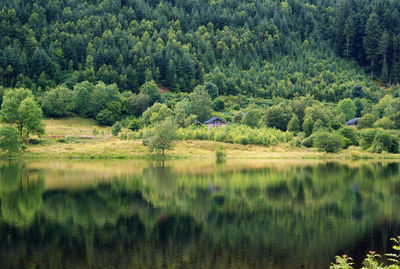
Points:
[194,214]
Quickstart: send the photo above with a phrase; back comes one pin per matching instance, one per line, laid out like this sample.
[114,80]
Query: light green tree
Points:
[294,124]
[151,89]
[348,108]
[161,136]
[200,104]
[21,109]
[30,118]
[9,139]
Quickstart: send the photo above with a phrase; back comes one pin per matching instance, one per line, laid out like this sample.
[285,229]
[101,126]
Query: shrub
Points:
[220,153]
[328,141]
[294,124]
[116,128]
[382,142]
[351,134]
[308,141]
[106,117]
[134,124]
[372,259]
[57,102]
[384,123]
[367,137]
[366,121]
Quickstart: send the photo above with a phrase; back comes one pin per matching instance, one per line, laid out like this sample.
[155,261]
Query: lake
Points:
[195,214]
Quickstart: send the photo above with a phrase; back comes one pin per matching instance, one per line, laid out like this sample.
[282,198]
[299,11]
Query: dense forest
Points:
[260,48]
[299,65]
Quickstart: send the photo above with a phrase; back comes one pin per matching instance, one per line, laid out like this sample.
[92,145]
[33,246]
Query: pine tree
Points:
[349,32]
[371,40]
[385,72]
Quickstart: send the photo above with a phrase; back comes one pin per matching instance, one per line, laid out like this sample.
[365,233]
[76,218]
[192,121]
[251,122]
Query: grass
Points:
[72,138]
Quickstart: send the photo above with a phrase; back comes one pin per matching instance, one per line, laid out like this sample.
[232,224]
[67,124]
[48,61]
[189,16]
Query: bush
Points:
[367,137]
[106,117]
[308,141]
[351,134]
[116,128]
[384,123]
[371,261]
[383,142]
[294,124]
[328,141]
[220,153]
[366,121]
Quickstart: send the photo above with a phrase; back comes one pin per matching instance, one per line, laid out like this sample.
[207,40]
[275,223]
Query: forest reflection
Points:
[244,214]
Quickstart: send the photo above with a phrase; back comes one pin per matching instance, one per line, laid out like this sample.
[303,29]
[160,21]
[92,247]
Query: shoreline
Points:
[114,148]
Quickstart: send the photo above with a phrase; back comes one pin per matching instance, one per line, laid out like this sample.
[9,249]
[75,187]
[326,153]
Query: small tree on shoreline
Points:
[161,136]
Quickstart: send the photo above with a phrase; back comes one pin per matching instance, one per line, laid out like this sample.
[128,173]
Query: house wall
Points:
[216,123]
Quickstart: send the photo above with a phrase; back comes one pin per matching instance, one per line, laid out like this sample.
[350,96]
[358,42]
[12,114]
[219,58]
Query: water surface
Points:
[194,214]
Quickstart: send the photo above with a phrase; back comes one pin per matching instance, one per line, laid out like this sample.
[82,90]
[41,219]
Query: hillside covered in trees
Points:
[290,71]
[258,48]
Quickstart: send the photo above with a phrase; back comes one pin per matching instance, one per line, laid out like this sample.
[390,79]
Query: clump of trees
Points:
[20,108]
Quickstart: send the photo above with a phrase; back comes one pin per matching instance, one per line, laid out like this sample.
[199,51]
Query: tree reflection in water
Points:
[289,216]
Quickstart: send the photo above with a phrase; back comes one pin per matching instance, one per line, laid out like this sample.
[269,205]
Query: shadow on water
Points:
[194,214]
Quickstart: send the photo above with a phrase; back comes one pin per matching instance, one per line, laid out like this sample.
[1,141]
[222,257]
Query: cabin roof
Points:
[214,119]
[352,121]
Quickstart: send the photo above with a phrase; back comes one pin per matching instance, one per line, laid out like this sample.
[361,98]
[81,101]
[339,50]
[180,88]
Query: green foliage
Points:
[372,260]
[11,102]
[366,121]
[237,134]
[9,139]
[57,102]
[218,104]
[134,124]
[80,98]
[20,108]
[367,137]
[212,90]
[116,128]
[161,136]
[182,113]
[150,88]
[156,113]
[220,154]
[277,117]
[384,123]
[106,117]
[328,141]
[371,38]
[308,126]
[294,124]
[348,108]
[138,103]
[395,118]
[308,142]
[251,117]
[30,118]
[351,134]
[383,142]
[201,104]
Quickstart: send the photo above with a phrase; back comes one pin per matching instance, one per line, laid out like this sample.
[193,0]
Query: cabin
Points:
[216,122]
[353,122]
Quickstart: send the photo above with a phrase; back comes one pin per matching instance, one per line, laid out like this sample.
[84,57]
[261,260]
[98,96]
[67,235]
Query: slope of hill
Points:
[260,48]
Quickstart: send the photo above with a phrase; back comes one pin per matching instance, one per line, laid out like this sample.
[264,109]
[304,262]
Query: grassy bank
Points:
[82,138]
